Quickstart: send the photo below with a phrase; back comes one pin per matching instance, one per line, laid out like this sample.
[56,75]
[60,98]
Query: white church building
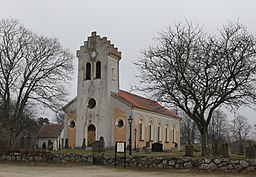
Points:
[102,109]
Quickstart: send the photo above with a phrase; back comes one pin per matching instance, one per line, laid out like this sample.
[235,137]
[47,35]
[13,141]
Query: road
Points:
[33,170]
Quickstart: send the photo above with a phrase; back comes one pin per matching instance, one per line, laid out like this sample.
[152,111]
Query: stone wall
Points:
[166,163]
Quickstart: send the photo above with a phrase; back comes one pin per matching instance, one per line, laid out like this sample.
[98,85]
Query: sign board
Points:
[120,147]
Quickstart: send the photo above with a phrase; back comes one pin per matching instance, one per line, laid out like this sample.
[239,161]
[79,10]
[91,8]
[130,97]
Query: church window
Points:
[159,132]
[173,134]
[141,129]
[151,130]
[167,133]
[98,70]
[71,123]
[91,103]
[120,123]
[88,71]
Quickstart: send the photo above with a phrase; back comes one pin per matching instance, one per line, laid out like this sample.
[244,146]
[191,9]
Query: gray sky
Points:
[130,24]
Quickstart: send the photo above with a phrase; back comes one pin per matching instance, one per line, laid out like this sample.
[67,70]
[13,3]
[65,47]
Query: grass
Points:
[111,152]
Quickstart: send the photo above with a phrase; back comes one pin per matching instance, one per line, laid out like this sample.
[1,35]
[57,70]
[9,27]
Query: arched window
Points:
[98,70]
[141,129]
[174,134]
[88,71]
[151,130]
[159,132]
[167,133]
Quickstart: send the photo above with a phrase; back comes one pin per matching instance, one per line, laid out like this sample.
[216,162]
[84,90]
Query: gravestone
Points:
[147,147]
[157,147]
[216,147]
[250,152]
[241,149]
[147,144]
[225,152]
[98,148]
[189,150]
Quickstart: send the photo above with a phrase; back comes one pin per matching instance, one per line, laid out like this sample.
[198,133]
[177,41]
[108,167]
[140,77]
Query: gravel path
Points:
[27,170]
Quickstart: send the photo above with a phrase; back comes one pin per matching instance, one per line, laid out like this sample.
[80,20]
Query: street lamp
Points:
[130,138]
[135,133]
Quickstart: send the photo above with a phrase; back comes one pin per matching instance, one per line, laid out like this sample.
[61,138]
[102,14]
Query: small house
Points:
[50,136]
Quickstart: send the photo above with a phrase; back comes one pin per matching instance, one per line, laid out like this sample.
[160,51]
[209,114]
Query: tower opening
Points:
[98,70]
[88,71]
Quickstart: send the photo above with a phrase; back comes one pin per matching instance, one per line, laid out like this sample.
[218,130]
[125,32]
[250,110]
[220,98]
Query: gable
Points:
[70,105]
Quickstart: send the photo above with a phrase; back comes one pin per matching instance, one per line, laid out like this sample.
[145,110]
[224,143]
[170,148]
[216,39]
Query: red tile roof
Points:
[50,131]
[143,103]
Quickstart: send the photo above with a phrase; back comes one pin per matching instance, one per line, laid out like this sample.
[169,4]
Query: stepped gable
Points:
[95,41]
[143,103]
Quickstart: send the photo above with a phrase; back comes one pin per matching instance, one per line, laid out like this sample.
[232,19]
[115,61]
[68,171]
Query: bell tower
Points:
[98,76]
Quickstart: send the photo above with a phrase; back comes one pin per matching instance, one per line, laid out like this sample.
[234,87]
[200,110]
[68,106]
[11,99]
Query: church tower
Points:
[98,77]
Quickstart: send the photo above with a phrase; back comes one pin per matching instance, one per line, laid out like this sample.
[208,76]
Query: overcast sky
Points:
[130,25]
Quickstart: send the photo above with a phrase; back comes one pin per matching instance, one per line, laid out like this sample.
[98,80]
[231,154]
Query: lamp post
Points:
[130,138]
[135,133]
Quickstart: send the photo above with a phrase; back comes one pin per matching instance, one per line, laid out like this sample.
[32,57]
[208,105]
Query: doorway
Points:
[91,135]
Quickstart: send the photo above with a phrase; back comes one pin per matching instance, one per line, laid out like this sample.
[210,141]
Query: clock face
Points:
[93,54]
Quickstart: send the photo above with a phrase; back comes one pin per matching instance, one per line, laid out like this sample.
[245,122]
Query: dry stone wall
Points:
[143,162]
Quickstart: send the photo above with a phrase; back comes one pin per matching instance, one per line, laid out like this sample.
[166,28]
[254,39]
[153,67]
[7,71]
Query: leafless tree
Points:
[198,72]
[253,132]
[189,130]
[34,71]
[219,125]
[240,128]
[60,116]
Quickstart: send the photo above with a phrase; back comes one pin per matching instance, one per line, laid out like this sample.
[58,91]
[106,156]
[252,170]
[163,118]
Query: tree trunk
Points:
[12,139]
[204,142]
[10,143]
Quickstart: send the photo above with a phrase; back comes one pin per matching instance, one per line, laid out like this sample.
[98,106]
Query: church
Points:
[101,110]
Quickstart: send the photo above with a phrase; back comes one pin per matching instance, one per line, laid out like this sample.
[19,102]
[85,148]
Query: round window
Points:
[91,103]
[72,124]
[120,123]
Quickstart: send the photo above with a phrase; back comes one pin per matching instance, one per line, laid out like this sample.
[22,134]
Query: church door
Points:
[91,135]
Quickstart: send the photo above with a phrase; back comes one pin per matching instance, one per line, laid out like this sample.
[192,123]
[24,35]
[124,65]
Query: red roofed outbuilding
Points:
[52,135]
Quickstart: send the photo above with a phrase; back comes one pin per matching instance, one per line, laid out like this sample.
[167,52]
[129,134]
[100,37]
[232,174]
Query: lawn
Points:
[142,153]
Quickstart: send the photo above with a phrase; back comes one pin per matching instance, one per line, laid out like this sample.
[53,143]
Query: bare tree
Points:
[240,128]
[189,131]
[60,116]
[198,72]
[253,132]
[219,125]
[34,71]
